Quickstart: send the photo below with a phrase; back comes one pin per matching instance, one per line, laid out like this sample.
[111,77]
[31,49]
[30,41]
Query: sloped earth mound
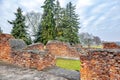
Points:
[11,72]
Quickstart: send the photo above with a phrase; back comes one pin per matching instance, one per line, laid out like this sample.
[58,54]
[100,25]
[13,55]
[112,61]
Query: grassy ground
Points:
[99,46]
[68,64]
[95,46]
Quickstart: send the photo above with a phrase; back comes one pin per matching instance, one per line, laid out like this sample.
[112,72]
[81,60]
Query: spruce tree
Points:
[48,22]
[58,16]
[19,27]
[70,21]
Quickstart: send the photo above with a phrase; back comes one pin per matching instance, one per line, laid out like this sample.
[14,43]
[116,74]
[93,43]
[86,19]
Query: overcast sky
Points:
[98,17]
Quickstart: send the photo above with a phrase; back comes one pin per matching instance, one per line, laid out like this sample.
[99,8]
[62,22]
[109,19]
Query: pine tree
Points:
[58,16]
[48,22]
[1,30]
[70,21]
[19,27]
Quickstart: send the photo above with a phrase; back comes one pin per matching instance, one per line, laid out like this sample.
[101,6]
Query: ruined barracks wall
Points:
[33,59]
[15,51]
[62,49]
[35,46]
[5,48]
[100,65]
[110,45]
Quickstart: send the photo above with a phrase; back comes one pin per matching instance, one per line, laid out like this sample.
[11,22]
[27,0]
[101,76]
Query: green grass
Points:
[95,46]
[99,46]
[68,64]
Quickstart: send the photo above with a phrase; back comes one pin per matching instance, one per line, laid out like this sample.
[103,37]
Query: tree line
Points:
[56,23]
[87,39]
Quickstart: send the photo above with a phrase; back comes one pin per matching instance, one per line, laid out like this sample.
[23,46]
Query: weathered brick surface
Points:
[36,46]
[14,51]
[110,45]
[5,48]
[100,65]
[33,59]
[62,49]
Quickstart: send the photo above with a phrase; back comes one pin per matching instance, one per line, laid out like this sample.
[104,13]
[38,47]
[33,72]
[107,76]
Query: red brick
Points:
[62,49]
[34,56]
[5,48]
[110,45]
[100,65]
[36,46]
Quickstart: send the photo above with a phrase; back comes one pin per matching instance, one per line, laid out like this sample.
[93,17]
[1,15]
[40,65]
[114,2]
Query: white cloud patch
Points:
[98,9]
[83,3]
[7,8]
[31,5]
[62,3]
[101,18]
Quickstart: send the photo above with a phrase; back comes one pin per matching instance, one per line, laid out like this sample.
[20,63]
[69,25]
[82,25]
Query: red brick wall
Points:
[5,48]
[110,45]
[36,46]
[32,57]
[100,65]
[62,49]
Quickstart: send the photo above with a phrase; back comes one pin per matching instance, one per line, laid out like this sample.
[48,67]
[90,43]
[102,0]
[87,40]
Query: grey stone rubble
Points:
[10,72]
[69,74]
[17,44]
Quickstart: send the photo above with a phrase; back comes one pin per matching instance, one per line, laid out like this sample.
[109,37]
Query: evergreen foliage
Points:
[58,23]
[70,24]
[19,27]
[58,15]
[47,22]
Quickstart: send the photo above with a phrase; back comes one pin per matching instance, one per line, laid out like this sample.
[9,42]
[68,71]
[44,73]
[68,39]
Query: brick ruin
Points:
[16,52]
[35,46]
[5,49]
[62,49]
[97,64]
[101,64]
[110,45]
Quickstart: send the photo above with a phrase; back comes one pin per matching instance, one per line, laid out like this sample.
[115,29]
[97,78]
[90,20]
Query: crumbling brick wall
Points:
[62,49]
[110,45]
[100,65]
[33,59]
[36,46]
[5,48]
[14,51]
